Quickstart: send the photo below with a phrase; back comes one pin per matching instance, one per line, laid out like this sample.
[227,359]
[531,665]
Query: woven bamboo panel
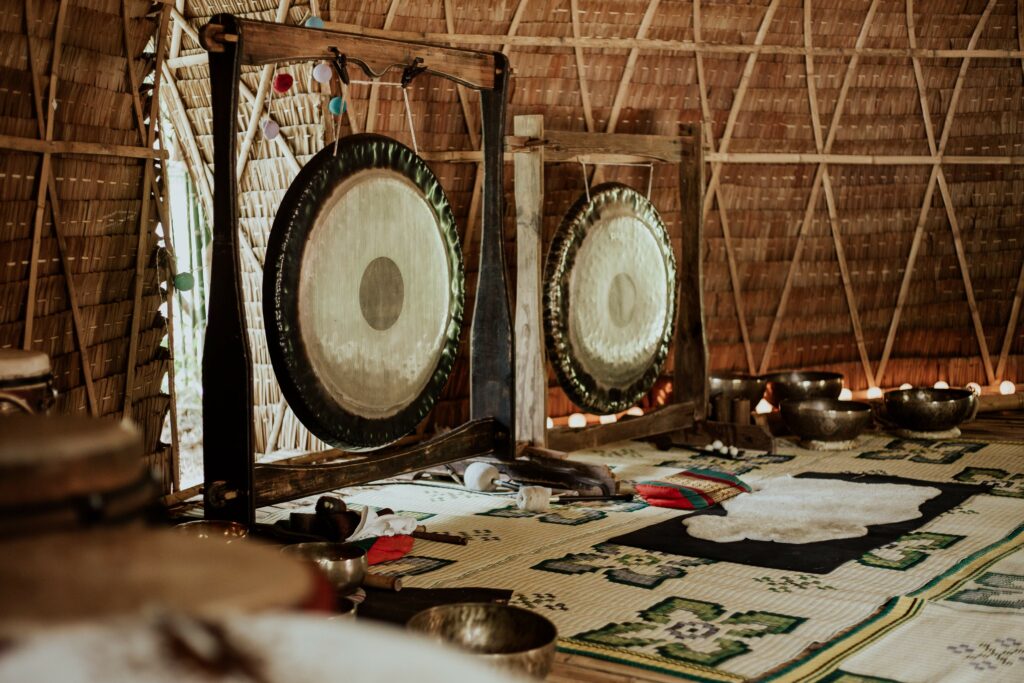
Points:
[100,202]
[877,203]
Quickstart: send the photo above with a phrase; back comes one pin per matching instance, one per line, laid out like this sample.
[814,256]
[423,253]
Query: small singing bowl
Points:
[826,419]
[929,410]
[215,529]
[505,637]
[343,564]
[737,385]
[800,385]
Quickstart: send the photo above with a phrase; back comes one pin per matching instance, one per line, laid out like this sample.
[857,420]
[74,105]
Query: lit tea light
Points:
[845,394]
[906,385]
[577,420]
[874,392]
[607,419]
[975,388]
[942,384]
[763,407]
[550,423]
[635,411]
[1006,387]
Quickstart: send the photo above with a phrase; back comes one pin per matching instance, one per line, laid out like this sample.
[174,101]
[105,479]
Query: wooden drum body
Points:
[57,579]
[609,299]
[26,382]
[363,292]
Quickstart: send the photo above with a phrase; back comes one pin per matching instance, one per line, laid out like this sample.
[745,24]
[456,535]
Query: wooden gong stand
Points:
[234,485]
[683,420]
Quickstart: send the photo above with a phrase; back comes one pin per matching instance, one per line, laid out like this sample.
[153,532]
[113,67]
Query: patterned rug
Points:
[944,601]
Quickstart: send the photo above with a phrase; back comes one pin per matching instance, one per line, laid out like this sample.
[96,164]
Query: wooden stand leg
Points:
[228,441]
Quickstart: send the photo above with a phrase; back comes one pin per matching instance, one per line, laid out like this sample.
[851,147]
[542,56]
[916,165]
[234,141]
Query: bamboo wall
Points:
[826,212]
[79,275]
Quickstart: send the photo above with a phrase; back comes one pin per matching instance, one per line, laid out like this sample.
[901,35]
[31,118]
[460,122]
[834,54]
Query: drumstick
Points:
[422,533]
[383,581]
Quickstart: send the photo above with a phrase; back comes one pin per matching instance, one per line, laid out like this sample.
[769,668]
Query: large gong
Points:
[609,299]
[363,292]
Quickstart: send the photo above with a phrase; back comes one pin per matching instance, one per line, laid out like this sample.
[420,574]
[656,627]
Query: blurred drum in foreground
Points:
[26,382]
[67,472]
[60,579]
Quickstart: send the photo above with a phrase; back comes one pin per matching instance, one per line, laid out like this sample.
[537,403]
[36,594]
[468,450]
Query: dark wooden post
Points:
[691,355]
[491,364]
[228,440]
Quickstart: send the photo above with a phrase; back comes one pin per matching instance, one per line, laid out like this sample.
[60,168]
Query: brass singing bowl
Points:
[343,564]
[737,385]
[826,419]
[505,637]
[213,529]
[801,385]
[930,410]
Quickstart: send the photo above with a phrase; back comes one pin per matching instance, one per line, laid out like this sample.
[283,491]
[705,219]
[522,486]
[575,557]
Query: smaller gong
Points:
[609,299]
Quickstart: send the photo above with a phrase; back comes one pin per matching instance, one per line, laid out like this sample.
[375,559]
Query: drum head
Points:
[609,299]
[363,292]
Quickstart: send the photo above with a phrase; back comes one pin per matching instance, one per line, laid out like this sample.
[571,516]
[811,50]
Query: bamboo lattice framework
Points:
[827,120]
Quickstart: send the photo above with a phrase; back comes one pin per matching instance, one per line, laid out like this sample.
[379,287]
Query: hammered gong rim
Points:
[312,402]
[582,387]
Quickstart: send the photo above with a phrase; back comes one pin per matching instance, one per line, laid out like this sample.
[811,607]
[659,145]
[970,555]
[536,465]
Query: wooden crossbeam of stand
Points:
[269,43]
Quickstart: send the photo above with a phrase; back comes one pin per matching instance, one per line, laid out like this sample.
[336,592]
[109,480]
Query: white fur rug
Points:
[789,510]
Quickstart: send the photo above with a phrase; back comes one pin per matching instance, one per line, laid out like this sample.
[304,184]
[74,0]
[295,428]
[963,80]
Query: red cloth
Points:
[389,548]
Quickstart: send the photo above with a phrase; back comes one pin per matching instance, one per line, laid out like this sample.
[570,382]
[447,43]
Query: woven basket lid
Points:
[46,459]
[20,364]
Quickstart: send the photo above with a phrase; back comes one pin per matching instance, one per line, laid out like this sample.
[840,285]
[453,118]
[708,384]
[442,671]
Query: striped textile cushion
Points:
[691,489]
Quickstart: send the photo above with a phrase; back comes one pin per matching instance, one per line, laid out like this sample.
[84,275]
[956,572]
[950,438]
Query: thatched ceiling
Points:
[834,238]
[79,276]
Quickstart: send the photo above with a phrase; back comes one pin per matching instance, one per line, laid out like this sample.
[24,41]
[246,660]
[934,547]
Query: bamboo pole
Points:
[624,81]
[1018,296]
[51,186]
[656,45]
[937,152]
[466,156]
[142,248]
[730,250]
[830,202]
[737,104]
[371,108]
[833,128]
[474,203]
[37,231]
[588,112]
[37,146]
[261,96]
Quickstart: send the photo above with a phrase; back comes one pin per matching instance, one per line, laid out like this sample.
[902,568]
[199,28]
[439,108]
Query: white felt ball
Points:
[717,445]
[270,129]
[733,450]
[322,73]
[710,447]
[480,476]
[534,498]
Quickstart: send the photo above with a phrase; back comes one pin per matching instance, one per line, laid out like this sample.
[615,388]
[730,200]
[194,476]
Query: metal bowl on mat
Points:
[826,419]
[506,637]
[737,385]
[799,385]
[929,410]
[213,529]
[344,564]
